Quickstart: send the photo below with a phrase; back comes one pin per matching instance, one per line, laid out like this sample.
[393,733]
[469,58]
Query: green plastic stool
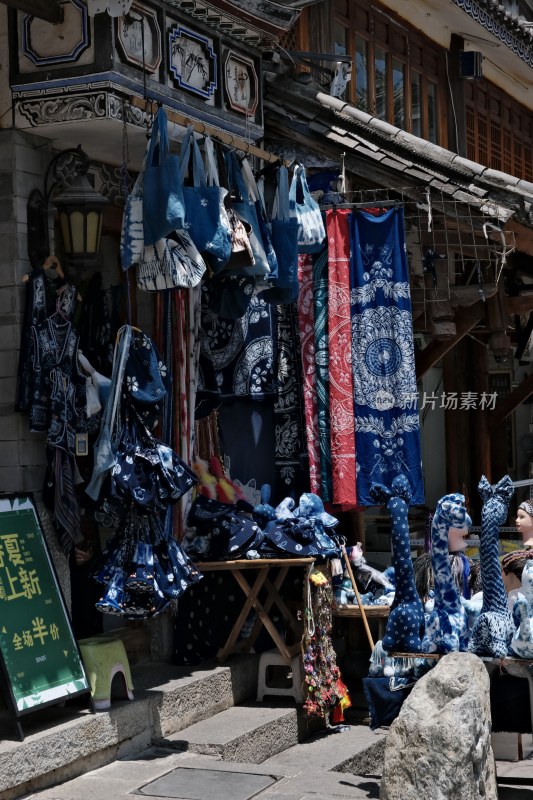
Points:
[103,658]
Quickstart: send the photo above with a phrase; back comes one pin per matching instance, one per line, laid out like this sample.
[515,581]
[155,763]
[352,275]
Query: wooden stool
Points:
[103,658]
[273,658]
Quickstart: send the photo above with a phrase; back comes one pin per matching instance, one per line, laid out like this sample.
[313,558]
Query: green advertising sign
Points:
[40,655]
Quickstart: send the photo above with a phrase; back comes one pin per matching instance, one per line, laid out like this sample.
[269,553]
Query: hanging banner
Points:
[39,654]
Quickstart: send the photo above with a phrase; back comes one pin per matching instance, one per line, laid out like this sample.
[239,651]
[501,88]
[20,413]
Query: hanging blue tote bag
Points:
[204,221]
[311,231]
[245,210]
[163,206]
[285,228]
[264,224]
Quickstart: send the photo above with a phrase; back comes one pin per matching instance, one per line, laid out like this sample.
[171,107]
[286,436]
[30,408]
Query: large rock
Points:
[439,746]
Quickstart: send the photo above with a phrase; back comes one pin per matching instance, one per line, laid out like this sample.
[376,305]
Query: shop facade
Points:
[382,117]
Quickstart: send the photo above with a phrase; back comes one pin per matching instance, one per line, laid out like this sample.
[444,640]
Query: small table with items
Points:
[263,567]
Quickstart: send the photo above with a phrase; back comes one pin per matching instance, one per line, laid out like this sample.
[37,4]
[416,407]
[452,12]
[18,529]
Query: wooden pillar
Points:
[449,384]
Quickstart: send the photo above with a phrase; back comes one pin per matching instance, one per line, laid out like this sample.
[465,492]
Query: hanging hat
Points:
[527,507]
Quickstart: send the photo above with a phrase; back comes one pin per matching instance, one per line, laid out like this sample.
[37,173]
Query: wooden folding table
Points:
[262,567]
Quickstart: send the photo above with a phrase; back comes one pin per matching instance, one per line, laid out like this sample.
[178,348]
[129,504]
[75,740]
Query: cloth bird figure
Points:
[263,512]
[405,624]
[494,628]
[447,624]
[522,641]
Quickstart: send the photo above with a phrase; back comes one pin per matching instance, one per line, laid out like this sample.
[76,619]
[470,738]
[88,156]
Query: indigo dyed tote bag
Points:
[203,218]
[284,288]
[245,209]
[132,233]
[163,205]
[264,225]
[311,231]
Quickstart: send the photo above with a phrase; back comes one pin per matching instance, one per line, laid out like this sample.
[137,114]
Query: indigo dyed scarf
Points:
[320,292]
[387,426]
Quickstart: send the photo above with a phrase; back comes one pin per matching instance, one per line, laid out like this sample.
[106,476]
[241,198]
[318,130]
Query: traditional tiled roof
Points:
[387,153]
[509,28]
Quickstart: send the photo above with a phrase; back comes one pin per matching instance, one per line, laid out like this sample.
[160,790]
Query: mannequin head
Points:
[524,522]
[512,567]
[457,539]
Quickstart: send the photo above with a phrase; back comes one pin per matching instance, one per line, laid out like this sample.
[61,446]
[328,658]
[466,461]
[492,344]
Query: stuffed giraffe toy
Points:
[405,624]
[494,628]
[522,641]
[447,624]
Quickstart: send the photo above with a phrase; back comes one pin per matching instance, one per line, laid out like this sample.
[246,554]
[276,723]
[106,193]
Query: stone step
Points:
[343,748]
[247,733]
[63,742]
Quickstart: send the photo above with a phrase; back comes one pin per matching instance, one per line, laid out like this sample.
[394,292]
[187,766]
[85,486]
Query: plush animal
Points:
[522,641]
[447,624]
[405,624]
[494,628]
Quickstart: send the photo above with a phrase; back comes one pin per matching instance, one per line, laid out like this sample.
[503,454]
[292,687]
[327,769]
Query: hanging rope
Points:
[126,187]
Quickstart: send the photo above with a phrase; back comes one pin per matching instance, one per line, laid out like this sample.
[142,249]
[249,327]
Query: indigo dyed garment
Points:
[320,293]
[290,440]
[306,330]
[387,426]
[238,356]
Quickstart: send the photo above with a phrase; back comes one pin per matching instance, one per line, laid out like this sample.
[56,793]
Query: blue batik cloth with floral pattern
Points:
[237,356]
[387,425]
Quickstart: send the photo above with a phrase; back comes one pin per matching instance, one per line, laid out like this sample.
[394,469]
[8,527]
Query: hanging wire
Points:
[126,184]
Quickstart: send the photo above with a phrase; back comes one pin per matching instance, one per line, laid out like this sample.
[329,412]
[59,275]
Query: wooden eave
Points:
[49,10]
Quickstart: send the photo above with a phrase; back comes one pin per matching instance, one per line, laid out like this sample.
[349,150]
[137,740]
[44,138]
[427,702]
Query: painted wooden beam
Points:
[49,10]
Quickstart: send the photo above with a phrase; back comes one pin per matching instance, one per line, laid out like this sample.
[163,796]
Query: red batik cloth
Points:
[341,390]
[306,325]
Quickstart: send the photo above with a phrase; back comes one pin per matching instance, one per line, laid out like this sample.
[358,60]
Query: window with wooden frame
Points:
[499,131]
[397,75]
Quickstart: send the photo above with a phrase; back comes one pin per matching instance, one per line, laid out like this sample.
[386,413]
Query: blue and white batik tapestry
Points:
[387,427]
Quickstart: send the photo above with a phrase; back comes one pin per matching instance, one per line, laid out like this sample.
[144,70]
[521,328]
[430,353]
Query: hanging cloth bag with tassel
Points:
[163,204]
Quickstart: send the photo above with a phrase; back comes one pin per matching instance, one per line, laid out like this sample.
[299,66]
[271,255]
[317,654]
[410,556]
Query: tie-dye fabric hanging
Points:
[306,327]
[386,401]
[341,390]
[320,293]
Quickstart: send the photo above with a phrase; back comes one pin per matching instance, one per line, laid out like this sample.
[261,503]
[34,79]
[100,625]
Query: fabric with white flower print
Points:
[386,400]
[341,390]
[290,439]
[238,357]
[145,372]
